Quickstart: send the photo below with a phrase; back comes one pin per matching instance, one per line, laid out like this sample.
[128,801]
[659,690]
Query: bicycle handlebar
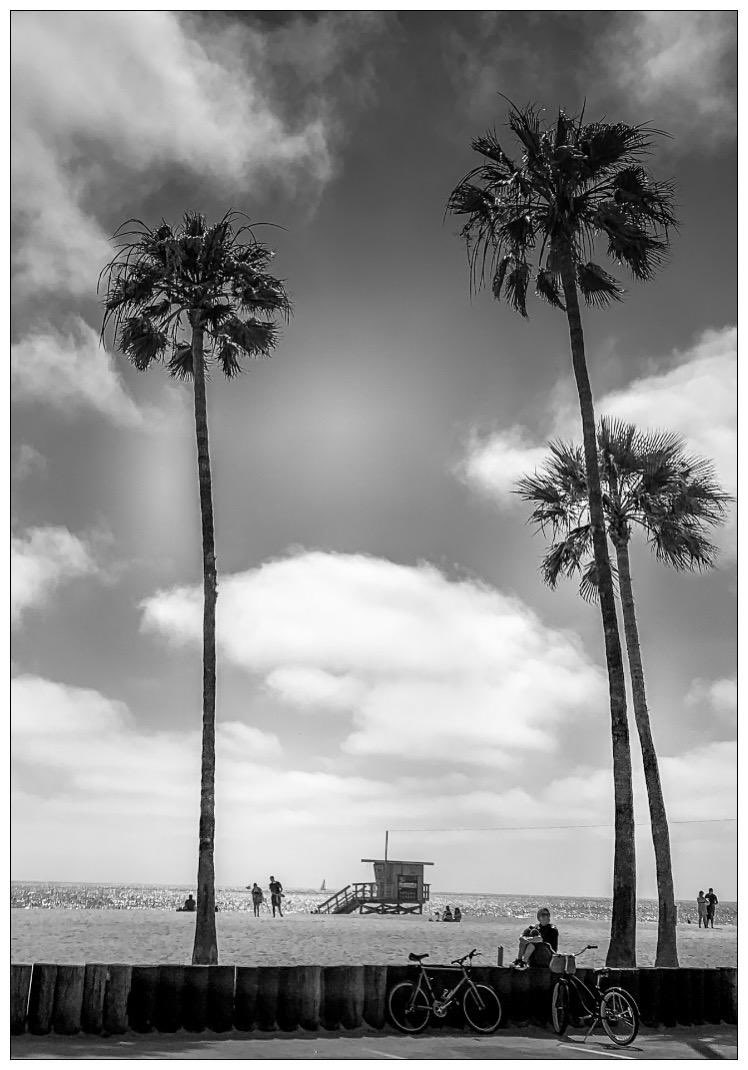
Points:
[470,955]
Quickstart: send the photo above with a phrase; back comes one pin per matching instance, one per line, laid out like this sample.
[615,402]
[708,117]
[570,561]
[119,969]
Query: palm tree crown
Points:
[572,184]
[165,280]
[649,481]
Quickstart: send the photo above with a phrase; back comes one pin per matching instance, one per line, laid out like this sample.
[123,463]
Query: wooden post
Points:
[141,1005]
[266,1008]
[245,998]
[668,996]
[375,995]
[289,998]
[94,988]
[220,1004]
[66,1015]
[169,998]
[20,983]
[649,988]
[116,997]
[42,997]
[712,997]
[697,996]
[310,984]
[729,994]
[195,1007]
[343,997]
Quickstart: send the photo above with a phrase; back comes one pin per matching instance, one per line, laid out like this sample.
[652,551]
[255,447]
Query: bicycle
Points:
[614,1008]
[411,1003]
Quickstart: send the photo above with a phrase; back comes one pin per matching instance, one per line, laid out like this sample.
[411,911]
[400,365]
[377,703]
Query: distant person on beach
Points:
[189,905]
[257,898]
[447,915]
[701,908]
[711,907]
[276,894]
[537,943]
[458,914]
[437,916]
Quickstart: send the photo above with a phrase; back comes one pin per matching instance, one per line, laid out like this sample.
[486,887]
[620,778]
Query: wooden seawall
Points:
[110,999]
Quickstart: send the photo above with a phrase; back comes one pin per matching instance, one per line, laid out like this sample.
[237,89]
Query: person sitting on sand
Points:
[448,915]
[189,905]
[257,898]
[437,916]
[276,893]
[701,908]
[711,907]
[537,943]
[458,914]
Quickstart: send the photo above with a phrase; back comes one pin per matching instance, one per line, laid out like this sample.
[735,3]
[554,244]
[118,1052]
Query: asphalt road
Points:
[707,1042]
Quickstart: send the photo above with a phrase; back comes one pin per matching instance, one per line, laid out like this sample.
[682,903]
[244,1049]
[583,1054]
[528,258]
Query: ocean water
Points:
[477,906]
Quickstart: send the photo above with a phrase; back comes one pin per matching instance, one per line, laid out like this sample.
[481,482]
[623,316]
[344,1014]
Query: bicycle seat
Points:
[417,958]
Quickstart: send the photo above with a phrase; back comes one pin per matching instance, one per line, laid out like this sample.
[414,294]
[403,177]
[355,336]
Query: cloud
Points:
[717,697]
[28,462]
[70,371]
[81,759]
[216,98]
[695,395]
[428,667]
[683,66]
[41,560]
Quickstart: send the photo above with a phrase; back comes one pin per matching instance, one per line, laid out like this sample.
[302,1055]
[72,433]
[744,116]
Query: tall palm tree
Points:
[192,296]
[573,184]
[649,482]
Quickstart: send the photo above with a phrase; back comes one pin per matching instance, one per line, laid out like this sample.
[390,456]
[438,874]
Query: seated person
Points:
[437,916]
[537,943]
[458,914]
[189,905]
[447,914]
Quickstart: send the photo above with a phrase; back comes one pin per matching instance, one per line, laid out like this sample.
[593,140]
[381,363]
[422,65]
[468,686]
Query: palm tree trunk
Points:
[622,948]
[205,951]
[667,950]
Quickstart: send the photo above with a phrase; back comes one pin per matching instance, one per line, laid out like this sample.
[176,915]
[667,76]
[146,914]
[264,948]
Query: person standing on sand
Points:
[257,898]
[701,908]
[711,907]
[276,893]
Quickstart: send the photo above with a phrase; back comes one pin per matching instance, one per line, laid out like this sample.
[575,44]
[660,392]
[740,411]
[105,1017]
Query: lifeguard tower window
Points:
[407,888]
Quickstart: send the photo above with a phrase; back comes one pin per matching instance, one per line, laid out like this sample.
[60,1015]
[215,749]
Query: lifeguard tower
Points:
[398,888]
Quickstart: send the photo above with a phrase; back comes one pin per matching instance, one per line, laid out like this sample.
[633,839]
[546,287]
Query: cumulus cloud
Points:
[69,371]
[81,757]
[694,395]
[41,560]
[684,65]
[426,666]
[28,461]
[717,697]
[204,96]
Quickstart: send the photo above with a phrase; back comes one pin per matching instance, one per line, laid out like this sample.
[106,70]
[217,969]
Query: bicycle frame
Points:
[441,1003]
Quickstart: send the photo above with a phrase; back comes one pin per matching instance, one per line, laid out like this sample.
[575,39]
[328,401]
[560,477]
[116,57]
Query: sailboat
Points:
[324,886]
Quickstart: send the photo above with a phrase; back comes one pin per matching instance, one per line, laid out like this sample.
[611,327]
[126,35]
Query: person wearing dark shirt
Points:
[537,943]
[447,914]
[189,905]
[276,893]
[458,914]
[711,907]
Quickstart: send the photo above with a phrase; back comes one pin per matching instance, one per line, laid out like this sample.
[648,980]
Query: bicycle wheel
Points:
[409,1007]
[560,1007]
[482,1008]
[620,1016]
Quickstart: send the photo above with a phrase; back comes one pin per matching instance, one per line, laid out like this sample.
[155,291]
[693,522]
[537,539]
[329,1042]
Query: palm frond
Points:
[180,364]
[141,341]
[566,556]
[547,286]
[596,286]
[515,288]
[253,337]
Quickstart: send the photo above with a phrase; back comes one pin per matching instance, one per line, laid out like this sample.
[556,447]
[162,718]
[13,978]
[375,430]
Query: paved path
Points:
[707,1042]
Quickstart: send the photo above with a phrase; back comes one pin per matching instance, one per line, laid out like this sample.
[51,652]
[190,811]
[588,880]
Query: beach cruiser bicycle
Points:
[614,1008]
[411,1003]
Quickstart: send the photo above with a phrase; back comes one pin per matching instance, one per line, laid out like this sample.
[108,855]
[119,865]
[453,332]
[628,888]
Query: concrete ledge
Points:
[99,999]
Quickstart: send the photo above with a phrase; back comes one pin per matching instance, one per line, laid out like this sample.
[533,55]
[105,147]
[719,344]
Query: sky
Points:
[388,657]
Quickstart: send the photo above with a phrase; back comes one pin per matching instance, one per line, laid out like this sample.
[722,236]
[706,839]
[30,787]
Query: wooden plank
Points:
[220,1002]
[245,998]
[195,1005]
[66,1015]
[141,1004]
[20,985]
[42,997]
[94,989]
[266,1008]
[375,993]
[116,996]
[169,998]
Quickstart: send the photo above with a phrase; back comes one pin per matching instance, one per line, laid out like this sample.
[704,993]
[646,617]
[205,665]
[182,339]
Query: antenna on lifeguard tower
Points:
[386,839]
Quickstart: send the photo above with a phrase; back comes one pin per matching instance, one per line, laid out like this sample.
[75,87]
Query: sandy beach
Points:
[163,936]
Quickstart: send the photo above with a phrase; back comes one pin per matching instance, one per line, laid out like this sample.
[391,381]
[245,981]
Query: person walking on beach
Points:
[711,907]
[701,908]
[257,898]
[276,893]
